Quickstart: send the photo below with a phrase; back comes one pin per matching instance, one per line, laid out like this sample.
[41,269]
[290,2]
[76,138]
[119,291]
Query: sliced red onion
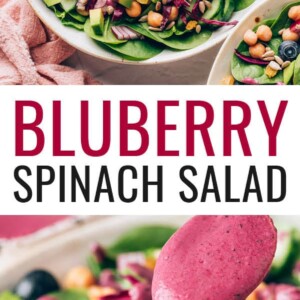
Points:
[107,278]
[125,33]
[100,3]
[132,280]
[123,260]
[140,291]
[295,27]
[250,59]
[90,4]
[98,252]
[123,295]
[183,18]
[118,33]
[118,13]
[111,3]
[195,11]
[280,83]
[141,271]
[166,15]
[218,23]
[179,3]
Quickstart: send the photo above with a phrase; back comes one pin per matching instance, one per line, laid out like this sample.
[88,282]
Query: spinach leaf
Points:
[71,19]
[71,23]
[7,295]
[242,70]
[142,239]
[184,42]
[296,79]
[228,9]
[77,16]
[70,295]
[283,20]
[167,33]
[242,4]
[137,49]
[288,73]
[107,37]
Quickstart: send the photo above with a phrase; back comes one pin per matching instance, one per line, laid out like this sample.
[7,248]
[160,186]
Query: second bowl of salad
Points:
[264,48]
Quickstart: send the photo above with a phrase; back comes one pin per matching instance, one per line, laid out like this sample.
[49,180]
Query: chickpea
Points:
[174,14]
[79,277]
[250,38]
[294,13]
[264,33]
[96,292]
[134,10]
[257,51]
[289,35]
[154,19]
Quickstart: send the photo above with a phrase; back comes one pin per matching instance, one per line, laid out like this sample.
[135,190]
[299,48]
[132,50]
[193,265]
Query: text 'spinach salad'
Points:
[141,29]
[270,53]
[139,266]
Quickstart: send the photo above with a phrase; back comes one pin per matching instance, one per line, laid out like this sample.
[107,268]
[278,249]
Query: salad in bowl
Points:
[133,266]
[270,52]
[137,30]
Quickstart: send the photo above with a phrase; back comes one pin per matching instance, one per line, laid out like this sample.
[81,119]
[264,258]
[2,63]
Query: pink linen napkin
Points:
[30,53]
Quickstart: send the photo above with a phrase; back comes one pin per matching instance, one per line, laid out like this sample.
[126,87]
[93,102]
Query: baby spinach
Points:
[7,295]
[242,4]
[107,37]
[283,20]
[296,79]
[288,73]
[242,70]
[141,239]
[70,19]
[184,42]
[137,49]
[70,295]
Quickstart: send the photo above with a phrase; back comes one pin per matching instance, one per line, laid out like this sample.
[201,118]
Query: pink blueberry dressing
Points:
[215,258]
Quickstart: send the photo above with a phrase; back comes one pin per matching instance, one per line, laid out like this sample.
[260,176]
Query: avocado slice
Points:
[126,3]
[68,5]
[51,2]
[288,73]
[216,7]
[229,6]
[97,20]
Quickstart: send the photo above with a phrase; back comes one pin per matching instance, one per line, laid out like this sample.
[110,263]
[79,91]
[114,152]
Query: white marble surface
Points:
[194,70]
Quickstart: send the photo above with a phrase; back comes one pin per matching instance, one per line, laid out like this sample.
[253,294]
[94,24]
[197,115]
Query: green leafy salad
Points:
[124,271]
[269,53]
[140,29]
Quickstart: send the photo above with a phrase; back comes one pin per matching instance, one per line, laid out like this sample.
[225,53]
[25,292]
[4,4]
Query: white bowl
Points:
[266,9]
[60,252]
[85,44]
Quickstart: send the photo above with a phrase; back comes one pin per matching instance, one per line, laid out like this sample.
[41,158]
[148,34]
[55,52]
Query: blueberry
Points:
[289,50]
[35,284]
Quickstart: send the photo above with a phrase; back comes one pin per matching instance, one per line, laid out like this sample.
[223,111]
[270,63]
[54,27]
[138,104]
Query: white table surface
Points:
[194,70]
